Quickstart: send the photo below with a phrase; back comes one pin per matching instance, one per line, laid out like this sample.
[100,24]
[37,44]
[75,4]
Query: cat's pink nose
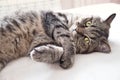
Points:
[80,30]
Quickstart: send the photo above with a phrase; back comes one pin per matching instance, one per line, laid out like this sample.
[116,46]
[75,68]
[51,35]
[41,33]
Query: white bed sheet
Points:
[95,66]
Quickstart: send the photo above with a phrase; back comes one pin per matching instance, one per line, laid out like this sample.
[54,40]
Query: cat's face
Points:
[92,35]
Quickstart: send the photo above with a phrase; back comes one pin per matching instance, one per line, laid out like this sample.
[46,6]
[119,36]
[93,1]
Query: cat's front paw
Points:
[66,62]
[41,54]
[48,53]
[36,55]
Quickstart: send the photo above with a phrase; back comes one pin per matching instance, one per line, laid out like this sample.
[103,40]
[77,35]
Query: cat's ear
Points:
[103,47]
[110,19]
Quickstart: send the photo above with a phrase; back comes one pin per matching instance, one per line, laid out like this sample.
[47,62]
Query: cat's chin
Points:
[74,33]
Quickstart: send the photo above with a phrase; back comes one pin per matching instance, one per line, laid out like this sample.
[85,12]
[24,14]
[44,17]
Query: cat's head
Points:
[92,34]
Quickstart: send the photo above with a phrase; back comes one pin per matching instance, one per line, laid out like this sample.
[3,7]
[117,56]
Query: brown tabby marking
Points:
[95,34]
[42,34]
[16,35]
[25,30]
[90,35]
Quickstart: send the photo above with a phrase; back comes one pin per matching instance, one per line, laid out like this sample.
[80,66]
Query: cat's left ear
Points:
[110,19]
[103,47]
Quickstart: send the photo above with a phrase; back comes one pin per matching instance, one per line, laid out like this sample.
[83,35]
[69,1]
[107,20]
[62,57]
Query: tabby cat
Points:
[89,35]
[44,35]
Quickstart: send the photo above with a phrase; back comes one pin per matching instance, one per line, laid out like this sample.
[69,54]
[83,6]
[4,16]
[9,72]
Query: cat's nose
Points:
[79,30]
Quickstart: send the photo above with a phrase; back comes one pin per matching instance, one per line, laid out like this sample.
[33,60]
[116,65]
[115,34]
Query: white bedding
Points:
[95,66]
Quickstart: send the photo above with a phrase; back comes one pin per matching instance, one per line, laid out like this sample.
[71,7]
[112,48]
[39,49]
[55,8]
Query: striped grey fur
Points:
[97,34]
[25,32]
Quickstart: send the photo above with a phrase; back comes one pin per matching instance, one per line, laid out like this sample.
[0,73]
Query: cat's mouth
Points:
[85,37]
[83,43]
[73,32]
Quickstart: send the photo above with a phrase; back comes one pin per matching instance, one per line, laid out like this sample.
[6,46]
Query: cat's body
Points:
[89,35]
[23,32]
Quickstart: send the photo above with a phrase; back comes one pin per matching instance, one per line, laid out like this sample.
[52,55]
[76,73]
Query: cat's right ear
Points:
[110,19]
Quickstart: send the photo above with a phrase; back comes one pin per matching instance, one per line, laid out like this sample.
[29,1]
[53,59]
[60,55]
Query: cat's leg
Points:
[58,30]
[63,37]
[47,53]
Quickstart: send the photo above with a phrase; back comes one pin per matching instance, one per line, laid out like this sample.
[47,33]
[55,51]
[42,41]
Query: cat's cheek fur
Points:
[103,47]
